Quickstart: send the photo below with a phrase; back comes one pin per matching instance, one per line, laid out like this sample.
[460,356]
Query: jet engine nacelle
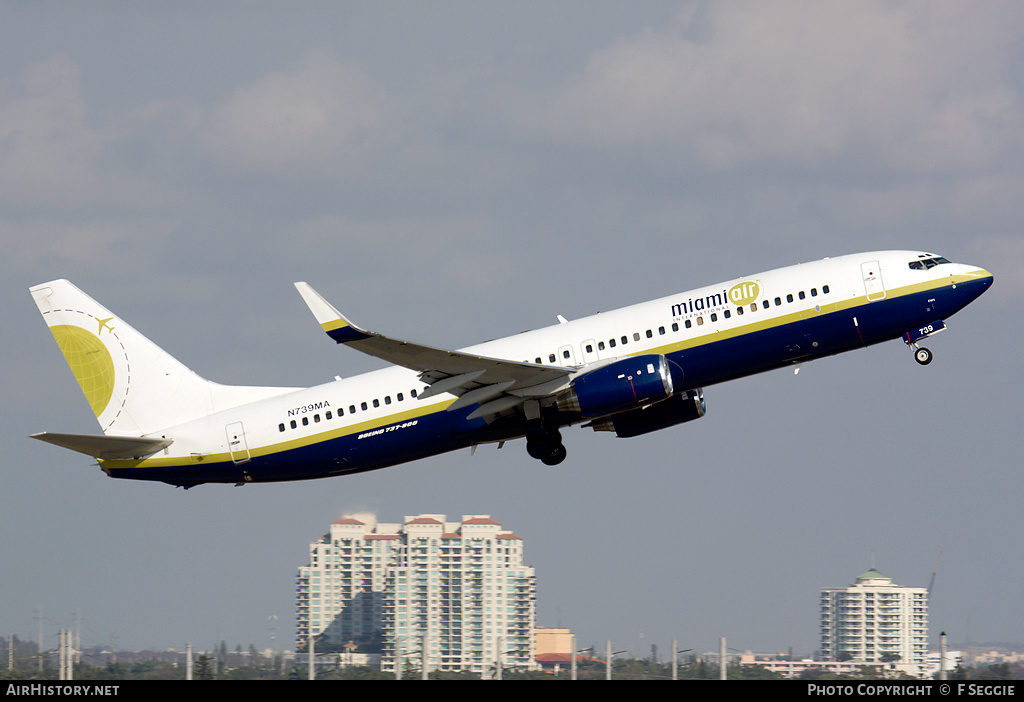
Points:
[684,407]
[619,386]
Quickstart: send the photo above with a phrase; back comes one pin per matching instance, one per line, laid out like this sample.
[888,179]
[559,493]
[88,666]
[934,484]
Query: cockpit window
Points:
[925,263]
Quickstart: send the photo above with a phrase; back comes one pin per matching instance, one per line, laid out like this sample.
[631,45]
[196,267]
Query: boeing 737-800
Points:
[630,371]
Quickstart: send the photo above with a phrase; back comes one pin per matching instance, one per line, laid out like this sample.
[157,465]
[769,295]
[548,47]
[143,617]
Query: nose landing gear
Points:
[921,354]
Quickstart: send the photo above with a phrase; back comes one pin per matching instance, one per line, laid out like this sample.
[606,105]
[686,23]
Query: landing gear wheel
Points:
[923,356]
[545,444]
[537,449]
[556,456]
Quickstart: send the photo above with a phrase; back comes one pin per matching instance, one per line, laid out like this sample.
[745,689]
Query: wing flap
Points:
[479,395]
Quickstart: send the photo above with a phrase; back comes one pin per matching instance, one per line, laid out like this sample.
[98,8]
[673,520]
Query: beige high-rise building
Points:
[875,621]
[456,595]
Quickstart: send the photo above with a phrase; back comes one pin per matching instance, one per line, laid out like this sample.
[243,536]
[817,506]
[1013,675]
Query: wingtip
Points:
[324,311]
[330,319]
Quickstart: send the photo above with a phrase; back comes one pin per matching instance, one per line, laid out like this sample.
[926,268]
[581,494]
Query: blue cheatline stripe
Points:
[364,450]
[824,334]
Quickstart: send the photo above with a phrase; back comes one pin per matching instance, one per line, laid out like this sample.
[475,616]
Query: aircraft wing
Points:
[494,383]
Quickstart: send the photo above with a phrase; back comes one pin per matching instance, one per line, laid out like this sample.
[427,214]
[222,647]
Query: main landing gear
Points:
[545,444]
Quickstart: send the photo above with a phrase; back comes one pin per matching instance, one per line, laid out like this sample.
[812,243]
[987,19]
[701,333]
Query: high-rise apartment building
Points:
[875,621]
[456,596]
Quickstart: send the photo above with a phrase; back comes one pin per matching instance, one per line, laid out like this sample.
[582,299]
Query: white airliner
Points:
[630,371]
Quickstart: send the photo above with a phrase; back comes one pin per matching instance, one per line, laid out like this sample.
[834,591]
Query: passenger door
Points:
[873,286]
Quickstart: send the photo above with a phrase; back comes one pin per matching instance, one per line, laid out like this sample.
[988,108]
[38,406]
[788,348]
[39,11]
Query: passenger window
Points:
[739,310]
[802,296]
[280,427]
[675,326]
[305,421]
[778,302]
[661,331]
[727,314]
[387,399]
[611,343]
[649,333]
[351,409]
[565,354]
[636,336]
[537,360]
[700,321]
[764,304]
[625,340]
[316,418]
[600,346]
[551,358]
[714,317]
[789,297]
[688,324]
[413,393]
[293,424]
[824,289]
[753,307]
[376,403]
[400,397]
[814,292]
[362,406]
[590,348]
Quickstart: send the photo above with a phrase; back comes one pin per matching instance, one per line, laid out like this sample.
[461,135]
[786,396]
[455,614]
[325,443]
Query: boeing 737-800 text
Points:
[630,371]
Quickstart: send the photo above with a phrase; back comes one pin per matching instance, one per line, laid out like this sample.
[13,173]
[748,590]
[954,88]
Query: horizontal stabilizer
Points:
[106,447]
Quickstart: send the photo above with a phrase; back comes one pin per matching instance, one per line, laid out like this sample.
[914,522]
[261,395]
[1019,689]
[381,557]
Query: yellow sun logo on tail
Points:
[89,361]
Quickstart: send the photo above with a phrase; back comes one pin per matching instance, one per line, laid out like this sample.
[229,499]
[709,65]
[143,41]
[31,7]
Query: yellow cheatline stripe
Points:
[279,447]
[712,335]
[693,342]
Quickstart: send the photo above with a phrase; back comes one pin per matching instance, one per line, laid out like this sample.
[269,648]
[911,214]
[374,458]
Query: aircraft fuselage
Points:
[707,336]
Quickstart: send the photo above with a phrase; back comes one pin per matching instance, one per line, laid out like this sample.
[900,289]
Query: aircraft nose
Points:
[982,276]
[976,280]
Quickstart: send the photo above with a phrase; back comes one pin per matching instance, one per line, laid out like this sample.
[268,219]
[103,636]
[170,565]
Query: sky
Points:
[454,172]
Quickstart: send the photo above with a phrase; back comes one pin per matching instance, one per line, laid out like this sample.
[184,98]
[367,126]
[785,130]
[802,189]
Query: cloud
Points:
[65,193]
[46,149]
[306,117]
[913,86]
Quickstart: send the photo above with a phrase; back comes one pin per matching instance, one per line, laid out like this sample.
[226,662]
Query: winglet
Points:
[332,321]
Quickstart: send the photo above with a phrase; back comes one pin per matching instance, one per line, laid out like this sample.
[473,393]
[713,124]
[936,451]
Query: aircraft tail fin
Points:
[132,385]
